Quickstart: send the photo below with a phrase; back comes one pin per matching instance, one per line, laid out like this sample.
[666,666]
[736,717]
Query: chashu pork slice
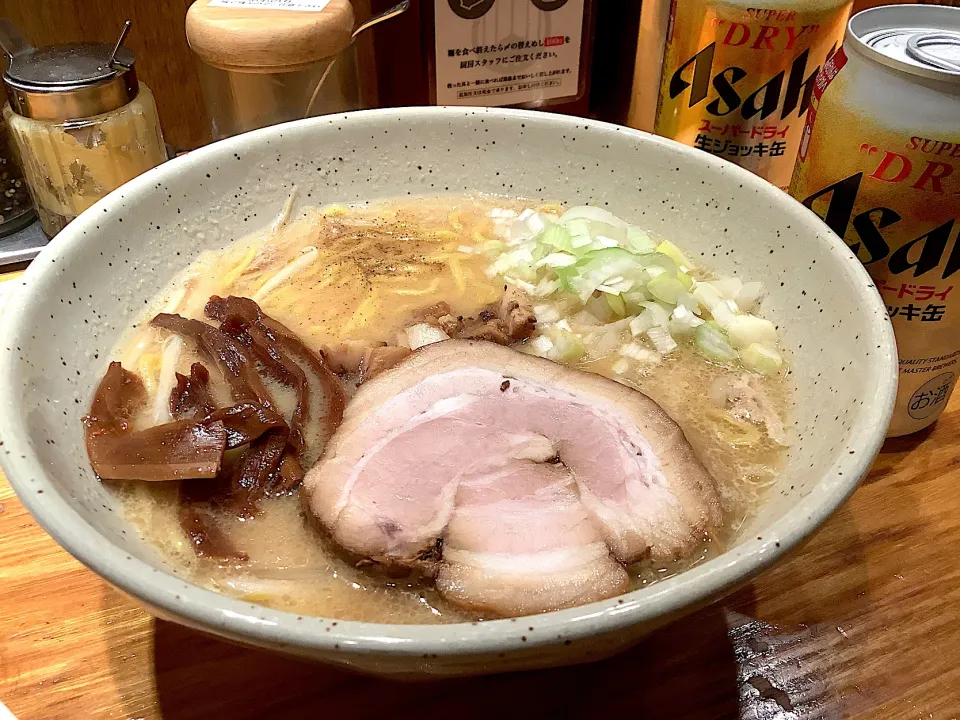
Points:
[540,481]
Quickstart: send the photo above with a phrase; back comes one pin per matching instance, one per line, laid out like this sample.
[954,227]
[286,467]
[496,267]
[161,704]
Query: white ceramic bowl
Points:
[95,277]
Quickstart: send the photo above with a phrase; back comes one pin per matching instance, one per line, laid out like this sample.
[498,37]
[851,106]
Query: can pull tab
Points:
[948,43]
[115,63]
[12,40]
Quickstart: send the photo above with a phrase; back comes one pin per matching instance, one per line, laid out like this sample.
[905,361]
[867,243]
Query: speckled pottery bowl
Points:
[92,281]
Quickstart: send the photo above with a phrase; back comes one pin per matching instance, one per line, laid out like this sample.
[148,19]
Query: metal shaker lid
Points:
[67,82]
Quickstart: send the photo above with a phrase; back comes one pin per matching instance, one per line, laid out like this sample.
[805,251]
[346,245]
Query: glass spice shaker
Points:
[16,208]
[81,122]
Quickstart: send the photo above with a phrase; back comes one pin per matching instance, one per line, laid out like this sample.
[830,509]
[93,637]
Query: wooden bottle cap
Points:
[267,40]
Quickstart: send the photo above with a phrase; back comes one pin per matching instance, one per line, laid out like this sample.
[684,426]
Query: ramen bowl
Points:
[96,276]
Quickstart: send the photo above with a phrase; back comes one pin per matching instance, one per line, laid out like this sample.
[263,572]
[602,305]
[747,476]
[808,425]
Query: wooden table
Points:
[863,622]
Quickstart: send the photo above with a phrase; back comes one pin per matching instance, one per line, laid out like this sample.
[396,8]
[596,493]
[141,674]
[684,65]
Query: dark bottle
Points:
[515,53]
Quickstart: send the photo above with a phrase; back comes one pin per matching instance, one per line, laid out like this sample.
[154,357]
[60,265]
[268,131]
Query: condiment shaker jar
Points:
[271,61]
[16,208]
[81,122]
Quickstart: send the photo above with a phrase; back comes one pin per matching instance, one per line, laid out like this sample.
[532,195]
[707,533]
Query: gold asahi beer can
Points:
[880,163]
[737,77]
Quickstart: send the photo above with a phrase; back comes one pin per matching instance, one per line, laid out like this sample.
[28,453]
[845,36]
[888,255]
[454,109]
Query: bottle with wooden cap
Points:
[264,62]
[81,122]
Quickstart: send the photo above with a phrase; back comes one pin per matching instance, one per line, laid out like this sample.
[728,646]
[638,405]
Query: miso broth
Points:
[358,274]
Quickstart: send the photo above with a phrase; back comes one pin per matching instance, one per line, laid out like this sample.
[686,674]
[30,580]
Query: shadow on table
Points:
[687,670]
[721,662]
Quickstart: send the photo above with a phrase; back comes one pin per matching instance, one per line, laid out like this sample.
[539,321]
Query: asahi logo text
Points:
[871,228]
[697,75]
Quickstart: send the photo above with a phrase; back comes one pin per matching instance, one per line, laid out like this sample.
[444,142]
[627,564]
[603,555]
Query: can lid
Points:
[918,39]
[268,36]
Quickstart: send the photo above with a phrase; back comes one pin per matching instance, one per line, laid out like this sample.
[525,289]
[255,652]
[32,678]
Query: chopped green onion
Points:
[557,260]
[567,347]
[659,260]
[492,247]
[665,288]
[633,299]
[707,295]
[546,287]
[528,288]
[556,236]
[659,314]
[546,313]
[749,294]
[616,304]
[761,358]
[602,241]
[540,345]
[579,234]
[640,324]
[683,322]
[712,343]
[674,253]
[723,313]
[746,330]
[662,340]
[639,241]
[623,278]
[593,215]
[599,309]
[728,287]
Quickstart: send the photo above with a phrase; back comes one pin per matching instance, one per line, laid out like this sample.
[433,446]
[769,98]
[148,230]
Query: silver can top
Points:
[921,40]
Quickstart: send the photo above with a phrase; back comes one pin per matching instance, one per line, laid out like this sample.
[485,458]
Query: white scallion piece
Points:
[746,330]
[683,322]
[723,314]
[528,288]
[545,287]
[609,277]
[592,214]
[662,340]
[749,295]
[707,295]
[658,314]
[712,344]
[640,324]
[761,358]
[557,260]
[729,287]
[422,334]
[546,313]
[541,345]
[637,352]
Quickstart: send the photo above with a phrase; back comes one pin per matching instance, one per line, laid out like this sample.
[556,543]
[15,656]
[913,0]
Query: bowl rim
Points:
[251,623]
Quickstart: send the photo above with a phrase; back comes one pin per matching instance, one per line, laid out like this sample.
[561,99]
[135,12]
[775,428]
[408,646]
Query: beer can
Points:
[737,77]
[880,163]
